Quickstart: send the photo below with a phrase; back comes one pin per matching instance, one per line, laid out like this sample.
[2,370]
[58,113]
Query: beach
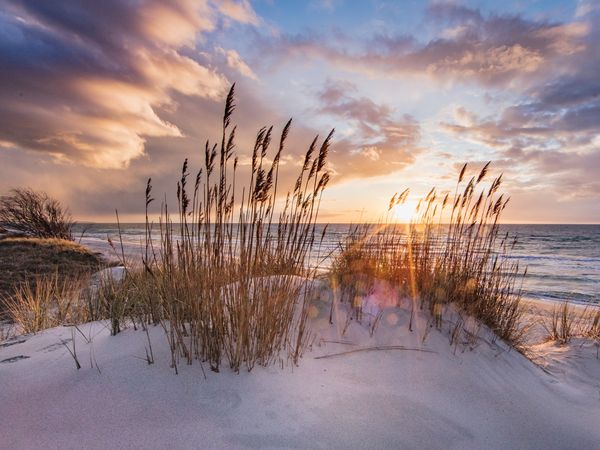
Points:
[391,376]
[392,389]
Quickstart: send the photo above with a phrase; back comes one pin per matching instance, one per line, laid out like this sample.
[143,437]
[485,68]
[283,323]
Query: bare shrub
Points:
[36,214]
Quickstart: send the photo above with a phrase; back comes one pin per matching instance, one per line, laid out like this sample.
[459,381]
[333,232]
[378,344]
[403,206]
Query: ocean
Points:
[563,261]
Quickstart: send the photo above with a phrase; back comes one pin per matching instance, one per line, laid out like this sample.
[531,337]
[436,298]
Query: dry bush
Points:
[452,252]
[228,278]
[35,214]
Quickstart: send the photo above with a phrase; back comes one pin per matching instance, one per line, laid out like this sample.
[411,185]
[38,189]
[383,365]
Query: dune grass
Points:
[48,301]
[566,322]
[561,324]
[452,252]
[227,277]
[592,330]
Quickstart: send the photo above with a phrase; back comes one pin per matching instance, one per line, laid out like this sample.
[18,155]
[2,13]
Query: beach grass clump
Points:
[35,214]
[560,326]
[592,330]
[46,302]
[355,266]
[119,300]
[566,322]
[452,252]
[467,260]
[228,275]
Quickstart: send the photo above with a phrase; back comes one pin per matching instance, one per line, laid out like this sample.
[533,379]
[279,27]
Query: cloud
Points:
[557,149]
[382,144]
[493,50]
[240,11]
[553,128]
[93,193]
[561,146]
[585,8]
[83,81]
[140,85]
[235,62]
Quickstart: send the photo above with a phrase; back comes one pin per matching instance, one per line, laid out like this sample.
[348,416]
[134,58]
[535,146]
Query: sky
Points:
[96,97]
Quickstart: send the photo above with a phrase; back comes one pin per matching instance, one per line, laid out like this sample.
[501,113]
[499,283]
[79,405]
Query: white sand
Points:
[478,396]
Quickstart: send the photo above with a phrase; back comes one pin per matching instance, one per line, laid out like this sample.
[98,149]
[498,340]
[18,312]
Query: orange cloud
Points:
[94,90]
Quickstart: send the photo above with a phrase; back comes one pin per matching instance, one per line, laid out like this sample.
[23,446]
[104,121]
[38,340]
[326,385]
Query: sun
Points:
[405,212]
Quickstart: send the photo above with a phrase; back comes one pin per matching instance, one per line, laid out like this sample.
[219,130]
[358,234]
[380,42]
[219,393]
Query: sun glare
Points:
[406,211]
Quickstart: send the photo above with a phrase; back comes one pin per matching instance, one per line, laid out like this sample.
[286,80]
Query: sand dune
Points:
[476,394]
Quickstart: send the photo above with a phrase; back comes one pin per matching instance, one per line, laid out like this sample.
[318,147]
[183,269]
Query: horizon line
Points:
[88,222]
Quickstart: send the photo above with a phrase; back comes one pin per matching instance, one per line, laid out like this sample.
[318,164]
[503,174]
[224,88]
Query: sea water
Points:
[563,261]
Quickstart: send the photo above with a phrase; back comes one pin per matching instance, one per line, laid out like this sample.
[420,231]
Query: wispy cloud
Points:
[325,5]
[239,11]
[381,144]
[492,50]
[235,62]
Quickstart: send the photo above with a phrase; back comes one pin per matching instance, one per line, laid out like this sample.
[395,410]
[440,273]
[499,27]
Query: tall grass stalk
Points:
[227,276]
